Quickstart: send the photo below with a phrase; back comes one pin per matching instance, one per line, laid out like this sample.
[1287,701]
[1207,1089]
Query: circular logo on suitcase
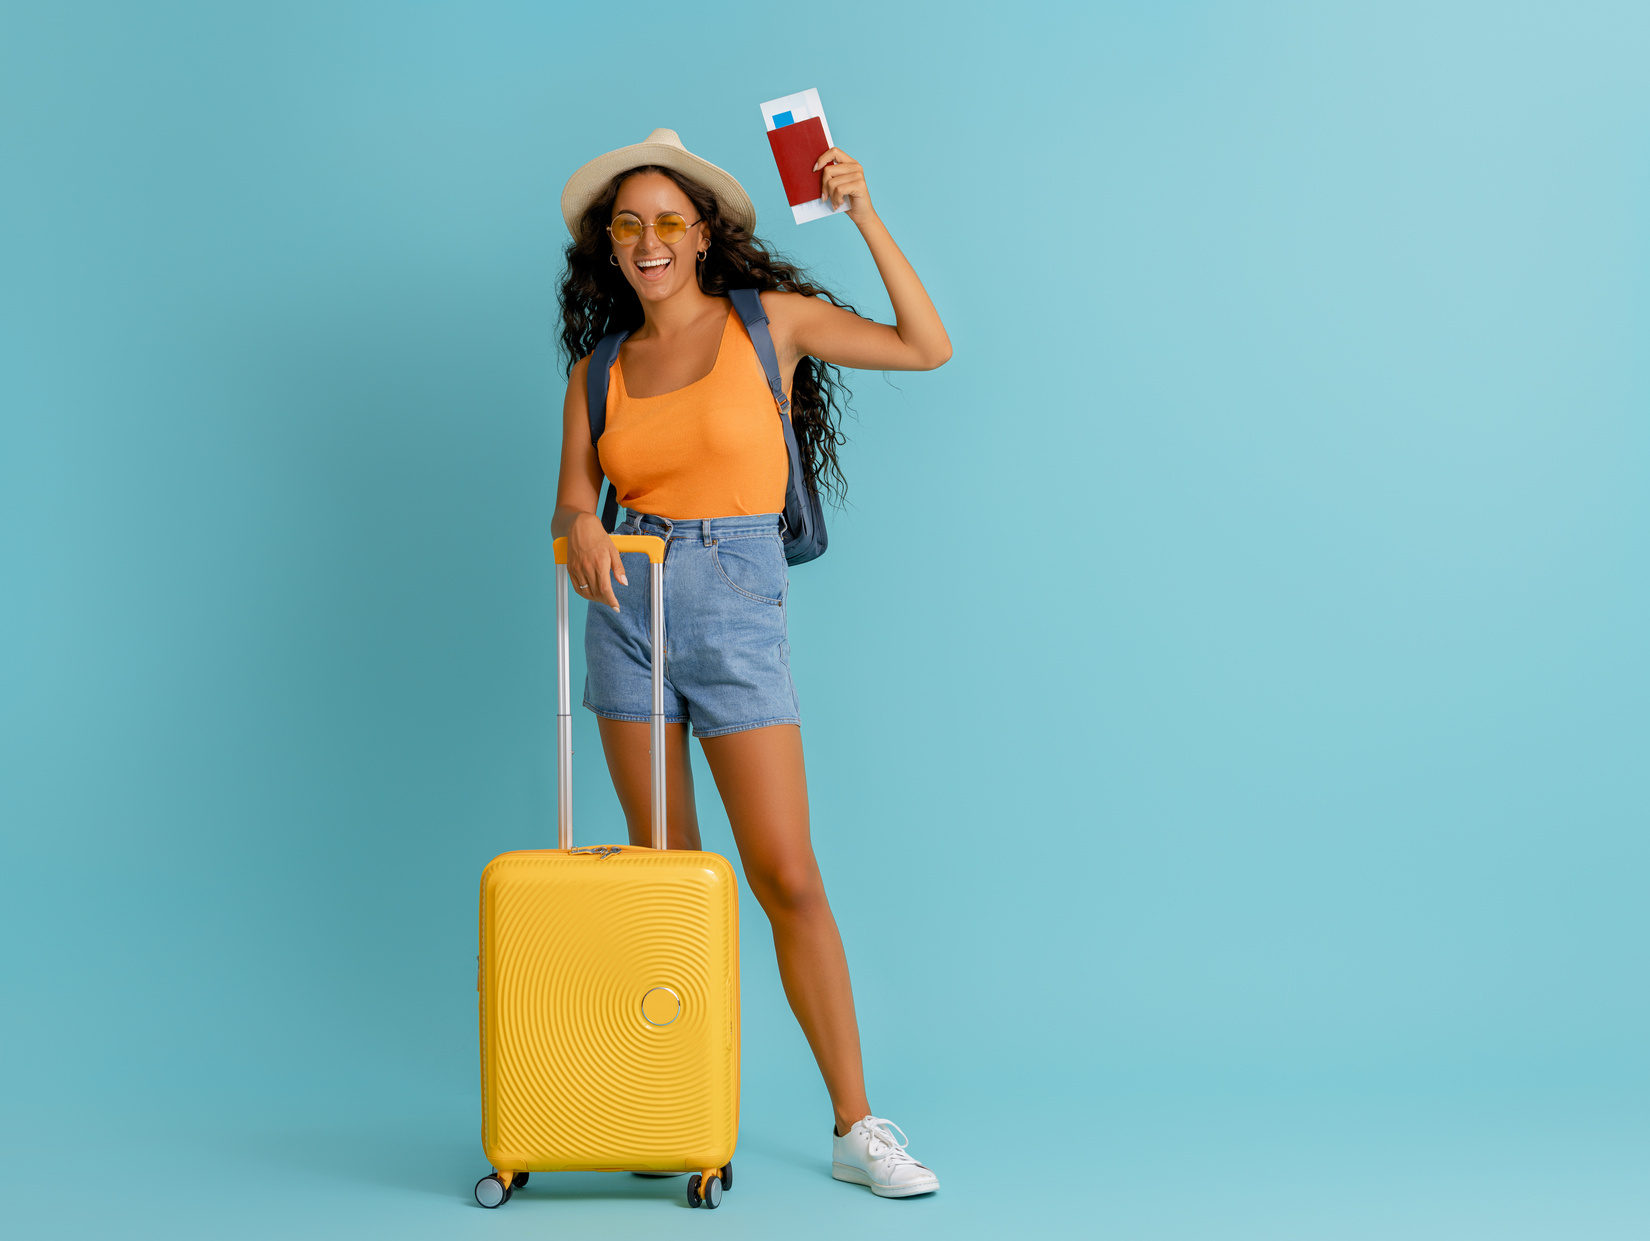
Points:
[661,1006]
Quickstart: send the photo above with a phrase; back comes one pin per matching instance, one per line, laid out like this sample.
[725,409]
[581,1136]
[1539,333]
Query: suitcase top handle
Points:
[651,544]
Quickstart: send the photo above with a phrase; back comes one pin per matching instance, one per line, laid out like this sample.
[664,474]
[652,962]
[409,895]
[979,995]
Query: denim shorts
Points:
[727,663]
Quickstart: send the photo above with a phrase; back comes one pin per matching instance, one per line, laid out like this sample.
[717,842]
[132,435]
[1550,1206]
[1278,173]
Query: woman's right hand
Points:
[593,561]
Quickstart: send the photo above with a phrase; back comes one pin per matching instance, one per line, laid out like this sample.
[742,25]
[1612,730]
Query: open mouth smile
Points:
[653,269]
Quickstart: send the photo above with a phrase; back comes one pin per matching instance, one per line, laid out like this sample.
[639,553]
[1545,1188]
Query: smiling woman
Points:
[661,238]
[601,295]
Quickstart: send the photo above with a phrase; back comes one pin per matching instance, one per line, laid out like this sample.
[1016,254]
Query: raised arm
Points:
[812,327]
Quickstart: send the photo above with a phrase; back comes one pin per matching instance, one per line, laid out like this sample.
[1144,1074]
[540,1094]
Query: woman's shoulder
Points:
[783,303]
[578,381]
[790,312]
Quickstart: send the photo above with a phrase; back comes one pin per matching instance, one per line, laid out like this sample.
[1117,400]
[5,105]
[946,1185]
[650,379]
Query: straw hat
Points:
[665,149]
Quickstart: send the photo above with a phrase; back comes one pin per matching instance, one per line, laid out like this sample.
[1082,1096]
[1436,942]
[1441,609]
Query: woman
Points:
[695,448]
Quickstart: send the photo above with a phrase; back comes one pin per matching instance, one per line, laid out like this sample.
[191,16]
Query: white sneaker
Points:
[869,1154]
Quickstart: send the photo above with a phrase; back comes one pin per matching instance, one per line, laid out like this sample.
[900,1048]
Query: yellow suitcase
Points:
[609,981]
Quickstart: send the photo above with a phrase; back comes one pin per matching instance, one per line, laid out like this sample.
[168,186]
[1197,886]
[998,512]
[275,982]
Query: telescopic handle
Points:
[654,549]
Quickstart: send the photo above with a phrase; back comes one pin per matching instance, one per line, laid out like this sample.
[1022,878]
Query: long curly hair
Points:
[596,299]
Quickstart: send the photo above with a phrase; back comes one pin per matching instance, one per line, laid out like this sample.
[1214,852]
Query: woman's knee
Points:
[786,888]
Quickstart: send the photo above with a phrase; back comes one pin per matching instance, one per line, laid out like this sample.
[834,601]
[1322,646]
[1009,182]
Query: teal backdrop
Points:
[1225,695]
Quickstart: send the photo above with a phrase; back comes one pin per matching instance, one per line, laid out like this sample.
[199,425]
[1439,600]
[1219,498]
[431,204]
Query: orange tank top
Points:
[712,449]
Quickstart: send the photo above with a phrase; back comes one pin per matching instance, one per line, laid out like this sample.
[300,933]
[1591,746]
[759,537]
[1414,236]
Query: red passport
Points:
[796,148]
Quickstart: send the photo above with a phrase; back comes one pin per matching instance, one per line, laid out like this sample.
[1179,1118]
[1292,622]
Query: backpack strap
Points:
[748,302]
[595,395]
[804,521]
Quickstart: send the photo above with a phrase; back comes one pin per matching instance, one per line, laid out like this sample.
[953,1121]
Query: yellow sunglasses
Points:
[626,229]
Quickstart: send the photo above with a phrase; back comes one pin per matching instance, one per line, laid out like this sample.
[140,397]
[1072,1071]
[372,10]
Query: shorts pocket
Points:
[754,567]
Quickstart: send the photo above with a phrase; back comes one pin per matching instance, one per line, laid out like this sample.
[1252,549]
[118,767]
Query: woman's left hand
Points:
[844,178]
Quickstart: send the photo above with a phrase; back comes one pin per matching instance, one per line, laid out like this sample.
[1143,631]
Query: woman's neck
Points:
[676,313]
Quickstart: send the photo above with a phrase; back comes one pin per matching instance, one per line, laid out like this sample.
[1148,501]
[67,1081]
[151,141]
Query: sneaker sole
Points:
[852,1175]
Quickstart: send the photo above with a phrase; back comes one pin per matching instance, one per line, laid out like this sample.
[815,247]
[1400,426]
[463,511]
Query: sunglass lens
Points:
[625,229]
[670,228]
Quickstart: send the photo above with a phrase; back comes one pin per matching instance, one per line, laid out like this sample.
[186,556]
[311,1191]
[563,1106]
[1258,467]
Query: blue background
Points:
[1226,697]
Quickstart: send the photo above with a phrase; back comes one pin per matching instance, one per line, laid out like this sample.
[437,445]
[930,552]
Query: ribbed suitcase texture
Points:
[609,1010]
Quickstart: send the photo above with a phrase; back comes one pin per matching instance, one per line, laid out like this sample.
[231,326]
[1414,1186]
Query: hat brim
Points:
[586,185]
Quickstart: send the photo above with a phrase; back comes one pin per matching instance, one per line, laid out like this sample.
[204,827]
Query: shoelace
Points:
[880,1133]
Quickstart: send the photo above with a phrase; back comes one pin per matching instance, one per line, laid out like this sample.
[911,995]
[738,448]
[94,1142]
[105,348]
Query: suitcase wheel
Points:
[491,1193]
[517,1181]
[712,1195]
[726,1174]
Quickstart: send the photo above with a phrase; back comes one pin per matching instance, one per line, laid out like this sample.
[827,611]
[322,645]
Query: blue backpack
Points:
[804,532]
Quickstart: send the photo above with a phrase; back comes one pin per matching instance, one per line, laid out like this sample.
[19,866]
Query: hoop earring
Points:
[613,259]
[703,252]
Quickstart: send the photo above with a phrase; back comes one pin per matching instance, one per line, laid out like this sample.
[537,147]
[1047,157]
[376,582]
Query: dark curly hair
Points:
[596,299]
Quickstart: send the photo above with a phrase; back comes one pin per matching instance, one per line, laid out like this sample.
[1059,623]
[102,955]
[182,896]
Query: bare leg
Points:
[765,789]
[626,745]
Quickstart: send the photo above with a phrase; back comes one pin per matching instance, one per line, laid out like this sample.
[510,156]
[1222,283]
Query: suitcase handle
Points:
[651,544]
[654,549]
